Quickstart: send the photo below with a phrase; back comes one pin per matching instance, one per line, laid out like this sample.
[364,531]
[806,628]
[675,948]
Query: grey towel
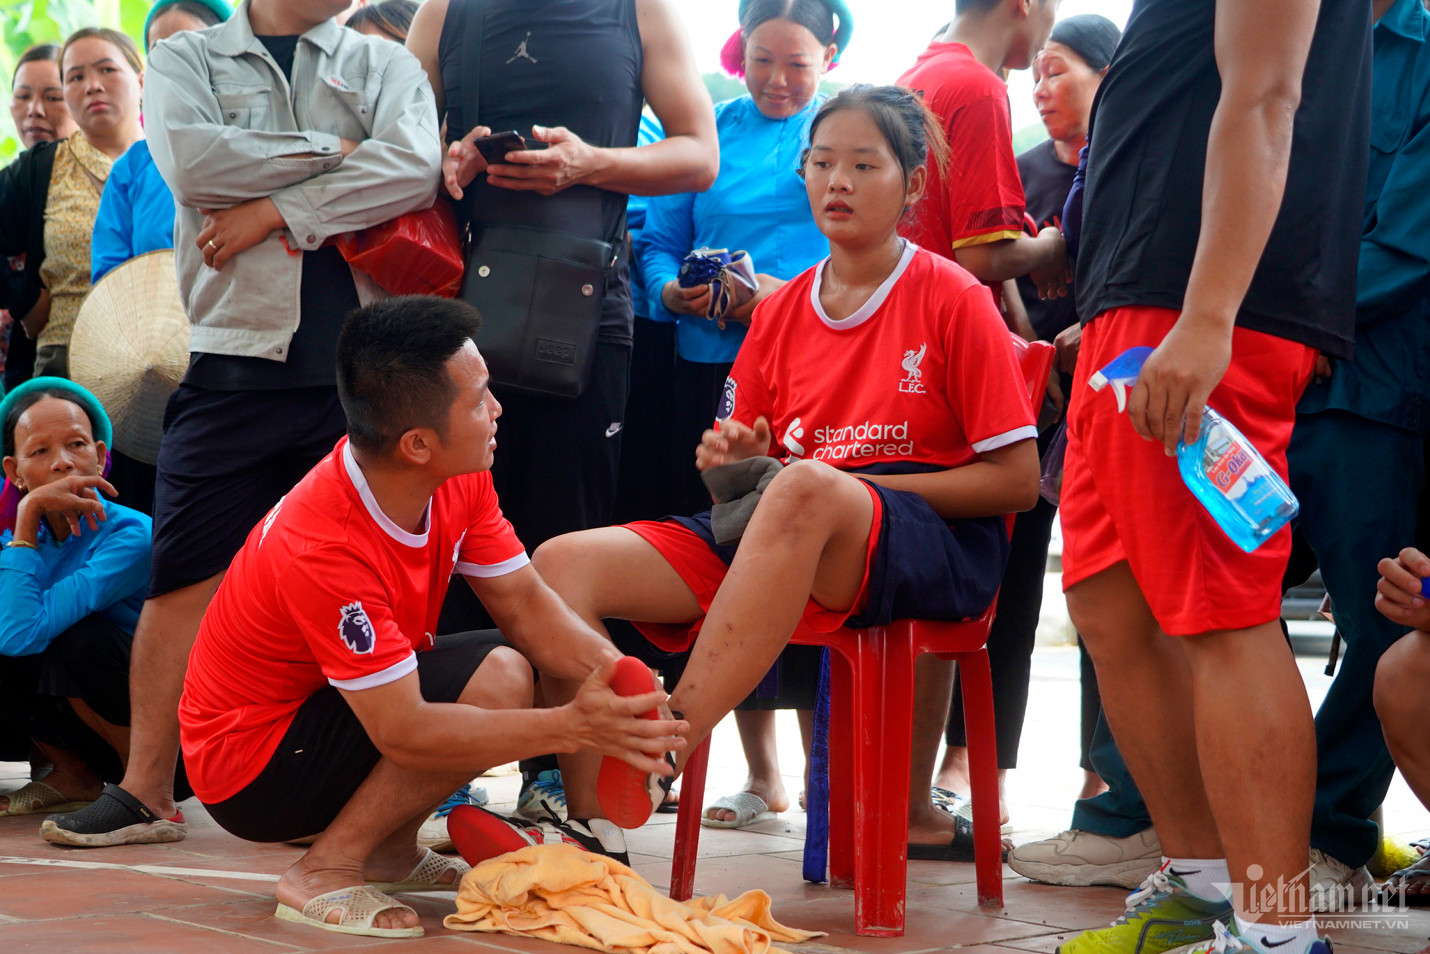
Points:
[737,488]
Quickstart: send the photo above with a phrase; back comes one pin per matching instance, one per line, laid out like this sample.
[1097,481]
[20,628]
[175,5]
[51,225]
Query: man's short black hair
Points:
[392,373]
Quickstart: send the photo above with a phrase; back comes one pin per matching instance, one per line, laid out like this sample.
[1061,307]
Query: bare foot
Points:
[303,882]
[772,791]
[929,826]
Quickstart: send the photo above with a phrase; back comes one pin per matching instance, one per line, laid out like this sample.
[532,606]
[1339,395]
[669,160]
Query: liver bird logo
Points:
[912,360]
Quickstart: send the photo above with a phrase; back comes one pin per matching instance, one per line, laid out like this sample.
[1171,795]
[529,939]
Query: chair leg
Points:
[977,681]
[816,833]
[841,771]
[883,713]
[687,823]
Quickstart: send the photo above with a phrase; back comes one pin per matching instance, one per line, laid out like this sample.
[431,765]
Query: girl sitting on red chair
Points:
[885,382]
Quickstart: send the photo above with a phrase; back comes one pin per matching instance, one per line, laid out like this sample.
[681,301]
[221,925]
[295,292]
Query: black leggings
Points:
[90,662]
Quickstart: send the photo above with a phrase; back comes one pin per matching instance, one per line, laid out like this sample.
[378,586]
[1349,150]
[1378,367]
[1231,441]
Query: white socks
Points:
[1278,938]
[1207,878]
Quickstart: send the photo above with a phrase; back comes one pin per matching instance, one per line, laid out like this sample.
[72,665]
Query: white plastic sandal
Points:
[359,906]
[427,876]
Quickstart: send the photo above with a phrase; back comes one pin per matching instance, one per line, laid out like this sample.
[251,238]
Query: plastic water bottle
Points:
[1246,498]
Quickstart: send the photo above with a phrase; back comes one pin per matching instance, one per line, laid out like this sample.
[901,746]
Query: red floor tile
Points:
[126,934]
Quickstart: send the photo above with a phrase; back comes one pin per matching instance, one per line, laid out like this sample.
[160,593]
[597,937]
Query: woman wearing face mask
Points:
[757,204]
[49,197]
[38,110]
[1067,72]
[136,212]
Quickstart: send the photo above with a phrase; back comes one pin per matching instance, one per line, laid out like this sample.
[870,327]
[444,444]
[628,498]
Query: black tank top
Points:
[1142,204]
[572,63]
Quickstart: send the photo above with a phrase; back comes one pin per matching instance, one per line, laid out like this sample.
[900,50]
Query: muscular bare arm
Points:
[1261,51]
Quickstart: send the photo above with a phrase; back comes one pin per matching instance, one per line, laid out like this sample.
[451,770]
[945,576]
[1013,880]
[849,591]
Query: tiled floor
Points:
[213,893]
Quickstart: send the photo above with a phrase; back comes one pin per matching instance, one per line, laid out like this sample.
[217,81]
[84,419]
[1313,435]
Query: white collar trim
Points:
[359,480]
[866,310]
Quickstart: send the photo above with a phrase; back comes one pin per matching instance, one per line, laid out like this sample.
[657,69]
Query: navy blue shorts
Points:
[920,566]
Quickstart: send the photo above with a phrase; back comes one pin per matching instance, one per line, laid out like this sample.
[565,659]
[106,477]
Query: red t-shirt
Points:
[980,199]
[326,591]
[924,372]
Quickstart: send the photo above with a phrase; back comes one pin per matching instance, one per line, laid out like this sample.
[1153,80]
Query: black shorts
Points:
[225,460]
[326,753]
[557,458]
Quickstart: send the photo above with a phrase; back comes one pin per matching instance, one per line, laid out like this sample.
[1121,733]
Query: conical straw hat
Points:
[130,347]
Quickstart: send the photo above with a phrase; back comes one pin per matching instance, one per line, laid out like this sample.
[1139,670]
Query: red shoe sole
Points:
[478,835]
[621,789]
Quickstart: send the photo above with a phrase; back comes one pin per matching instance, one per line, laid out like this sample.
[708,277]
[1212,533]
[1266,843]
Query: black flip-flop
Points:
[959,848]
[1393,892]
[670,804]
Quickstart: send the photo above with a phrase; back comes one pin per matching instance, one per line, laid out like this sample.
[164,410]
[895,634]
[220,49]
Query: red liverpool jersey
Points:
[925,372]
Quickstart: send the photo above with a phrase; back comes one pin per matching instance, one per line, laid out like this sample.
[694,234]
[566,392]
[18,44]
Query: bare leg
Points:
[168,625]
[953,775]
[808,538]
[116,736]
[1404,710]
[1256,739]
[374,836]
[1147,695]
[810,533]
[70,776]
[933,688]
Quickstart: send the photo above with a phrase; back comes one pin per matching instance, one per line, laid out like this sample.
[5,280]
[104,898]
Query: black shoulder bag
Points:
[540,291]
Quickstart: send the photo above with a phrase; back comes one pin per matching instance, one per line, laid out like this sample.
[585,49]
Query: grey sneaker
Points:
[1336,886]
[1080,858]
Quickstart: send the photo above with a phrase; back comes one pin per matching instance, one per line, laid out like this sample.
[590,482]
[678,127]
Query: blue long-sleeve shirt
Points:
[757,203]
[650,131]
[46,591]
[1388,380]
[136,213]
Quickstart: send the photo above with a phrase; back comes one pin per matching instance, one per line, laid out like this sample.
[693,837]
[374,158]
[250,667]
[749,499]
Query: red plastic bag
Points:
[419,253]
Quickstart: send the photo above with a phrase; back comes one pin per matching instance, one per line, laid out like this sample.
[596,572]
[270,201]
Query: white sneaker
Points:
[1336,886]
[433,833]
[1080,858]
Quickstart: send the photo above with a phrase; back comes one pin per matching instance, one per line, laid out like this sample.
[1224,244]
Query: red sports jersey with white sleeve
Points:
[326,591]
[925,372]
[979,197]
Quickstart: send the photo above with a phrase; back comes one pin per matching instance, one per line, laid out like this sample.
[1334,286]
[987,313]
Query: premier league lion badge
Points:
[356,629]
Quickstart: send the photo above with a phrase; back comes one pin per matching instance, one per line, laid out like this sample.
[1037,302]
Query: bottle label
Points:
[1228,468]
[1238,472]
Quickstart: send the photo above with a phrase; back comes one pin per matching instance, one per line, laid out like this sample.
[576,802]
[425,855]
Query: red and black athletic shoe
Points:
[479,835]
[625,793]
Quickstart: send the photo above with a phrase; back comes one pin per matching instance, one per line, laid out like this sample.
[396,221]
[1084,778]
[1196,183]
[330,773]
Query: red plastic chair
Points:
[871,727]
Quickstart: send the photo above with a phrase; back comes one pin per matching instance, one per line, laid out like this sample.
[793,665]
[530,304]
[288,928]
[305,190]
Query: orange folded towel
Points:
[563,894]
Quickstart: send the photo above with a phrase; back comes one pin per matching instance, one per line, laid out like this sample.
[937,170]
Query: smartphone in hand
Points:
[495,147]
